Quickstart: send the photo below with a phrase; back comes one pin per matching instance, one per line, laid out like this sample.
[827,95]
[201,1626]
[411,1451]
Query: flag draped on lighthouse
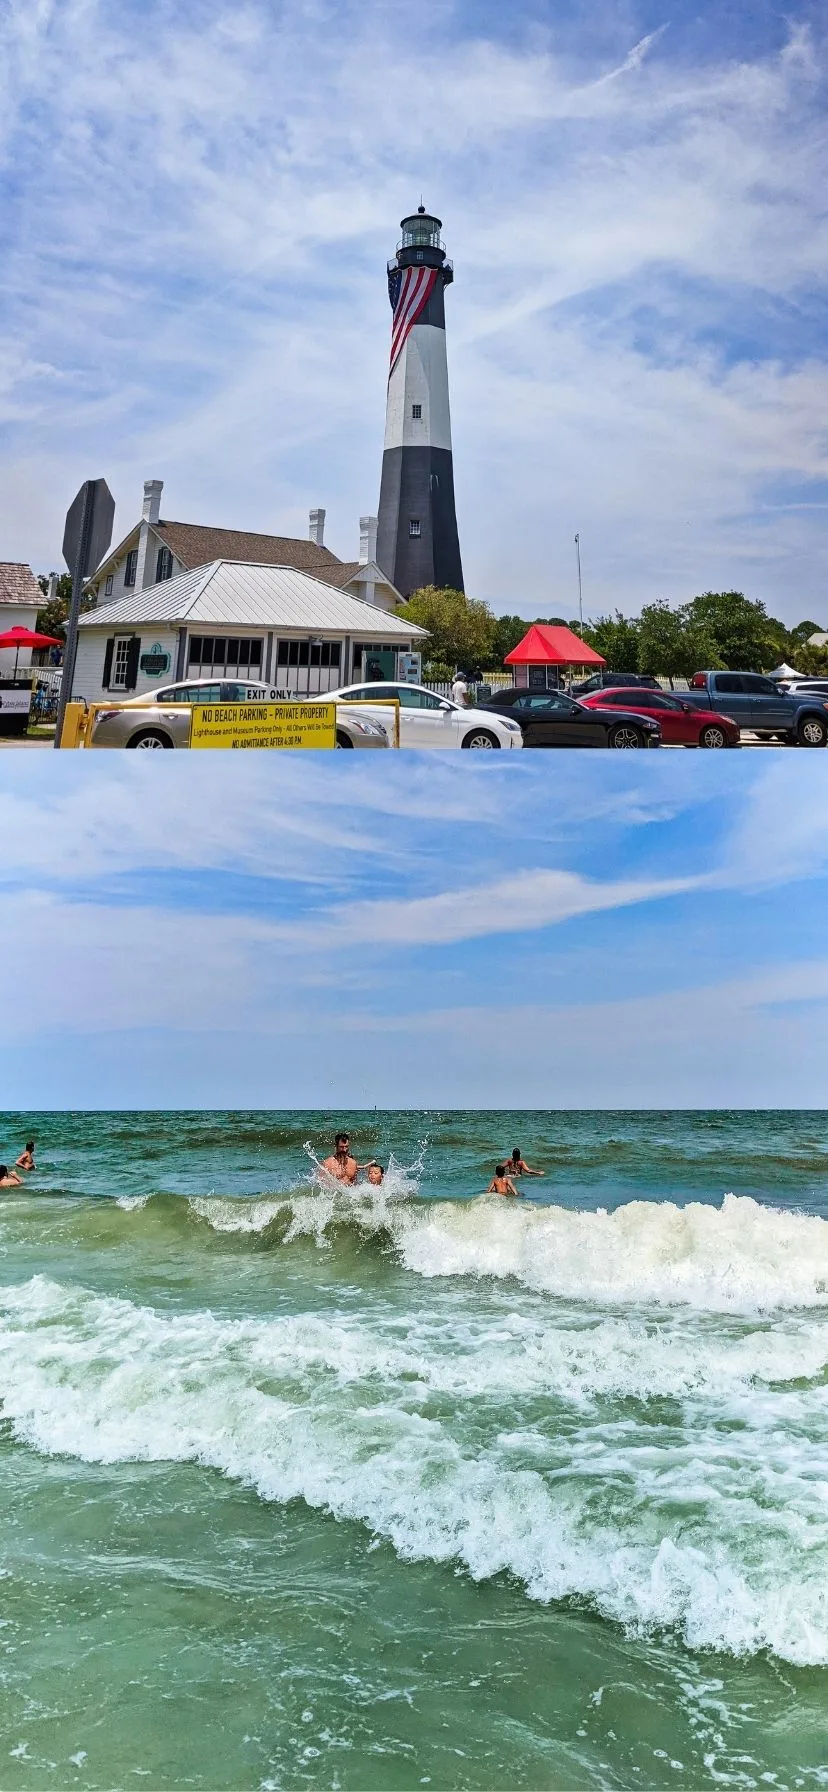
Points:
[409,290]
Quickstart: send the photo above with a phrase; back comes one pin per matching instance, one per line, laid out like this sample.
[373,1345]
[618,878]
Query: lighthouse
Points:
[417,529]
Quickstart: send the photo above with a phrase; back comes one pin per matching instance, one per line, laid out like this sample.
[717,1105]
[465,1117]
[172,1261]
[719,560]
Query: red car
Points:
[682,724]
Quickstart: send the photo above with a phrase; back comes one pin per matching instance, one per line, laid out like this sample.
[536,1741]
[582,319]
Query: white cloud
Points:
[622,228]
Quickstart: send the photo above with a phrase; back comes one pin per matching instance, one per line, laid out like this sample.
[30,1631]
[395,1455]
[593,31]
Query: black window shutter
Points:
[107,671]
[132,663]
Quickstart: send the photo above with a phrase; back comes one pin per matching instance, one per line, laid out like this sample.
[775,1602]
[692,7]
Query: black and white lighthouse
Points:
[417,529]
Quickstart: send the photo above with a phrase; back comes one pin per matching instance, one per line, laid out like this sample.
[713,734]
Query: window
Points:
[214,655]
[120,662]
[416,410]
[308,653]
[414,527]
[729,683]
[108,585]
[758,686]
[163,564]
[131,566]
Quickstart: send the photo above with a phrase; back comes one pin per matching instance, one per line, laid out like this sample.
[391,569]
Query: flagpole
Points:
[580,593]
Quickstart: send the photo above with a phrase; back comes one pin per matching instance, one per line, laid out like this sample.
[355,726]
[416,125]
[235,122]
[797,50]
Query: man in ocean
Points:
[26,1159]
[501,1183]
[9,1178]
[342,1166]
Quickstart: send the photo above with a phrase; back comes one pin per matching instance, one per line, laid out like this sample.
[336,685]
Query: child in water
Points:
[501,1183]
[375,1175]
[9,1178]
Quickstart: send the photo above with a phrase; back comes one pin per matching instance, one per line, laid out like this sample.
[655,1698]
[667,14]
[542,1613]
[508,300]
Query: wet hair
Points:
[516,1154]
[380,1167]
[342,1138]
[30,1144]
[4,1170]
[500,1169]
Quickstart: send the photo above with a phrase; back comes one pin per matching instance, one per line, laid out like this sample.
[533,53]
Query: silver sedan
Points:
[161,719]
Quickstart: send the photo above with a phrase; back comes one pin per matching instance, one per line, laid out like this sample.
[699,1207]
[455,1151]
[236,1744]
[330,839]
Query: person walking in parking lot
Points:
[459,690]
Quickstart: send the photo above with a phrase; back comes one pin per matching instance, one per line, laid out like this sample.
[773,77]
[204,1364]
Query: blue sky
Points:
[198,201]
[274,932]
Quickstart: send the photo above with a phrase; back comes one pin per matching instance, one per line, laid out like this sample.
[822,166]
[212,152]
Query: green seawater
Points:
[415,1487]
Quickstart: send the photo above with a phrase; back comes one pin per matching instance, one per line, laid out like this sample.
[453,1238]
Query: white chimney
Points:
[317,527]
[152,499]
[52,591]
[367,539]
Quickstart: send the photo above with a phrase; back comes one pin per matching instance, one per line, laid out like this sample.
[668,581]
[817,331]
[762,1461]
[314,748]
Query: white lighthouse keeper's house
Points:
[232,619]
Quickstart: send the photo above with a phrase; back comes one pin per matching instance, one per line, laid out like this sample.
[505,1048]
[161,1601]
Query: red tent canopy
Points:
[545,646]
[26,637]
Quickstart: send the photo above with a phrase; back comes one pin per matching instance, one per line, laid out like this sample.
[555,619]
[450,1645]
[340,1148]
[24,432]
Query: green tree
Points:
[52,617]
[799,635]
[508,630]
[616,638]
[813,660]
[746,637]
[671,645]
[461,628]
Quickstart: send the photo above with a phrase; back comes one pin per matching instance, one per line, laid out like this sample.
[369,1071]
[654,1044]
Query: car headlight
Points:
[731,720]
[514,727]
[366,727]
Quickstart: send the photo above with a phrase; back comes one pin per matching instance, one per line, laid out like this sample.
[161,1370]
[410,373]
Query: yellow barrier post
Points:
[74,719]
[378,703]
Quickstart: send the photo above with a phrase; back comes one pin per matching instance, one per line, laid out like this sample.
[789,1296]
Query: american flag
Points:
[409,290]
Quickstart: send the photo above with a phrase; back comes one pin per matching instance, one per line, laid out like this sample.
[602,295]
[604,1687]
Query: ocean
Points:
[414,1486]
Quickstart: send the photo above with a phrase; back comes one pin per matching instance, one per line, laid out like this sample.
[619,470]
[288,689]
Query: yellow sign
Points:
[263,725]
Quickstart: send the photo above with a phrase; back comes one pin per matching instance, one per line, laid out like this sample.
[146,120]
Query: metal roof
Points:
[236,594]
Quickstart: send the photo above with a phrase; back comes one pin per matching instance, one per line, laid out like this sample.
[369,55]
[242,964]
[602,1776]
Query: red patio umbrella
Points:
[26,637]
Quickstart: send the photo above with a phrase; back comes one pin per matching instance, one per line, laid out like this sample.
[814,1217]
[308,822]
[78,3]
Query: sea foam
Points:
[710,1519]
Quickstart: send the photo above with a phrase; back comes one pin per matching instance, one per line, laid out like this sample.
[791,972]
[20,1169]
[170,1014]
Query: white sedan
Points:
[427,720]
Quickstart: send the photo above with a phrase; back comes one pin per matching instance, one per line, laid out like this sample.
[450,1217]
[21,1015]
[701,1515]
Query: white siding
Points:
[119,589]
[89,664]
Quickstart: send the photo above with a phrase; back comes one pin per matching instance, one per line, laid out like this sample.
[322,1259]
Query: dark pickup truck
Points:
[758,705]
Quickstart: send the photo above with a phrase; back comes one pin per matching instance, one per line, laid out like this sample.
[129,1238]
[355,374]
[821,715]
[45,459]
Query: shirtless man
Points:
[342,1166]
[501,1183]
[26,1159]
[9,1178]
[517,1167]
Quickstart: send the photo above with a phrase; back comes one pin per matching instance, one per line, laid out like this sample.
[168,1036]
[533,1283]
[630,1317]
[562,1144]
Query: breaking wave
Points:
[740,1256]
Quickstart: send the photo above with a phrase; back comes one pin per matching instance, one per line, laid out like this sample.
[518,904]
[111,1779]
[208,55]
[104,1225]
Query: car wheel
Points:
[713,736]
[343,739]
[625,735]
[480,737]
[150,737]
[812,732]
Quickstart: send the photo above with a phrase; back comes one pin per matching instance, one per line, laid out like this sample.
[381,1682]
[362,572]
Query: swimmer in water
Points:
[501,1183]
[375,1175]
[341,1165]
[9,1178]
[517,1167]
[26,1159]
